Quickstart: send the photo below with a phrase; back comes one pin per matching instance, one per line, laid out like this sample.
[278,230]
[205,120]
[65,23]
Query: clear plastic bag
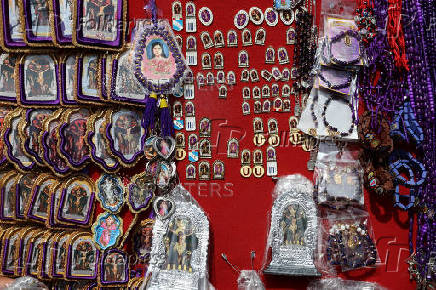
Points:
[340,284]
[249,280]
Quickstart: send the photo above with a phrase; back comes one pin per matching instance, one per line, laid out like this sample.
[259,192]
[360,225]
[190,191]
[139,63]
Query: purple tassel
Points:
[166,121]
[149,116]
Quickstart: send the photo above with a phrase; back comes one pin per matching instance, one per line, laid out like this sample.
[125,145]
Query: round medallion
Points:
[241,19]
[258,171]
[205,15]
[180,154]
[274,140]
[271,17]
[246,171]
[287,17]
[256,15]
[259,139]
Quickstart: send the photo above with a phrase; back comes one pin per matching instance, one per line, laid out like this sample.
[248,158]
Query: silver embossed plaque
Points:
[294,228]
[180,245]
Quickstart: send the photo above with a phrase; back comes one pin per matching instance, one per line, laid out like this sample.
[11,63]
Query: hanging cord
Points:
[224,256]
[151,6]
[127,233]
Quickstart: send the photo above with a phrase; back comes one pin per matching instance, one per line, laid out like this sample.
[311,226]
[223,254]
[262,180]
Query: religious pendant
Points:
[286,105]
[257,107]
[114,259]
[287,17]
[191,172]
[254,76]
[277,105]
[286,91]
[218,170]
[178,123]
[258,170]
[294,132]
[291,36]
[191,50]
[256,15]
[204,170]
[190,117]
[140,192]
[271,17]
[277,75]
[220,77]
[86,80]
[241,19]
[270,55]
[259,138]
[177,16]
[191,20]
[205,127]
[282,55]
[206,62]
[246,37]
[205,15]
[256,93]
[206,40]
[83,256]
[219,39]
[266,92]
[218,61]
[260,36]
[245,163]
[231,78]
[293,231]
[201,80]
[222,92]
[245,76]
[286,75]
[243,59]
[232,148]
[232,38]
[245,108]
[271,161]
[246,93]
[110,192]
[185,268]
[205,148]
[273,131]
[266,106]
[266,75]
[193,142]
[179,41]
[107,230]
[210,79]
[8,183]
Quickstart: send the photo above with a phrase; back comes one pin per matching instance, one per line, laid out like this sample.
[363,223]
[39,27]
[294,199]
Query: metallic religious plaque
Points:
[293,233]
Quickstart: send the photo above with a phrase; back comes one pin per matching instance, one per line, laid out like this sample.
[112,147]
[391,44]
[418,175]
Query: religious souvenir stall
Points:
[173,144]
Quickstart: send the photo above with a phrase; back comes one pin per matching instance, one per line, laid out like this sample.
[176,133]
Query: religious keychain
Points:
[190,117]
[177,16]
[258,170]
[273,131]
[271,161]
[180,146]
[191,50]
[259,137]
[191,20]
[246,163]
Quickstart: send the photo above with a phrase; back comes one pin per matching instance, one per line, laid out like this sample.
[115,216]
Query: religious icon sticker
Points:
[241,19]
[159,64]
[38,80]
[140,192]
[110,192]
[77,201]
[35,16]
[126,136]
[8,94]
[11,25]
[100,25]
[205,16]
[107,230]
[82,257]
[114,268]
[61,19]
[271,17]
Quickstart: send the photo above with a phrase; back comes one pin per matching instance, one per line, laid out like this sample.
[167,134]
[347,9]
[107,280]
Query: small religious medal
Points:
[218,60]
[206,61]
[210,79]
[206,40]
[191,20]
[193,147]
[294,133]
[222,92]
[180,146]
[294,228]
[191,50]
[260,36]
[245,108]
[271,161]
[188,87]
[205,127]
[201,80]
[282,55]
[277,104]
[245,163]
[266,92]
[271,17]
[286,105]
[270,55]
[220,77]
[257,107]
[287,16]
[246,93]
[256,15]
[273,131]
[276,73]
[218,169]
[233,148]
[258,170]
[286,91]
[191,172]
[266,106]
[254,76]
[241,19]
[190,116]
[179,41]
[177,16]
[219,39]
[286,75]
[232,38]
[178,115]
[291,36]
[246,37]
[275,91]
[205,148]
[266,75]
[294,73]
[231,78]
[245,76]
[259,137]
[243,60]
[256,93]
[204,170]
[205,16]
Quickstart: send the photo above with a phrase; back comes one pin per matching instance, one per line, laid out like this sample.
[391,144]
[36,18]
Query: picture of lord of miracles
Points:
[293,225]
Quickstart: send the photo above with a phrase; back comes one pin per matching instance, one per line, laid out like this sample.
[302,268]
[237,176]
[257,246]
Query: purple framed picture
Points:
[114,268]
[87,79]
[126,135]
[72,132]
[38,80]
[37,208]
[100,24]
[24,189]
[58,258]
[140,192]
[10,252]
[76,205]
[11,25]
[61,19]
[33,250]
[67,69]
[8,94]
[55,197]
[8,196]
[36,18]
[83,258]
[24,238]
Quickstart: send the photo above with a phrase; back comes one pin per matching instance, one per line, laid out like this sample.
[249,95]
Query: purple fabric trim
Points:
[2,205]
[23,92]
[28,258]
[33,203]
[126,269]
[116,97]
[17,202]
[62,39]
[98,159]
[69,266]
[7,29]
[80,222]
[63,84]
[80,94]
[28,27]
[103,86]
[12,157]
[85,158]
[47,158]
[112,146]
[102,43]
[145,204]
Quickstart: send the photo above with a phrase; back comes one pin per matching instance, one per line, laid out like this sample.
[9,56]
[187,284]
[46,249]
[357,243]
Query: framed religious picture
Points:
[3,113]
[37,207]
[11,25]
[148,148]
[22,254]
[110,192]
[8,95]
[10,250]
[23,193]
[33,253]
[204,170]
[142,239]
[30,128]
[218,169]
[43,259]
[67,71]
[126,135]
[125,87]
[82,257]
[100,24]
[166,171]
[114,268]
[38,80]
[13,147]
[55,194]
[87,78]
[61,21]
[107,230]
[35,17]
[140,192]
[72,131]
[159,64]
[100,153]
[77,201]
[58,255]
[8,188]
[49,141]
